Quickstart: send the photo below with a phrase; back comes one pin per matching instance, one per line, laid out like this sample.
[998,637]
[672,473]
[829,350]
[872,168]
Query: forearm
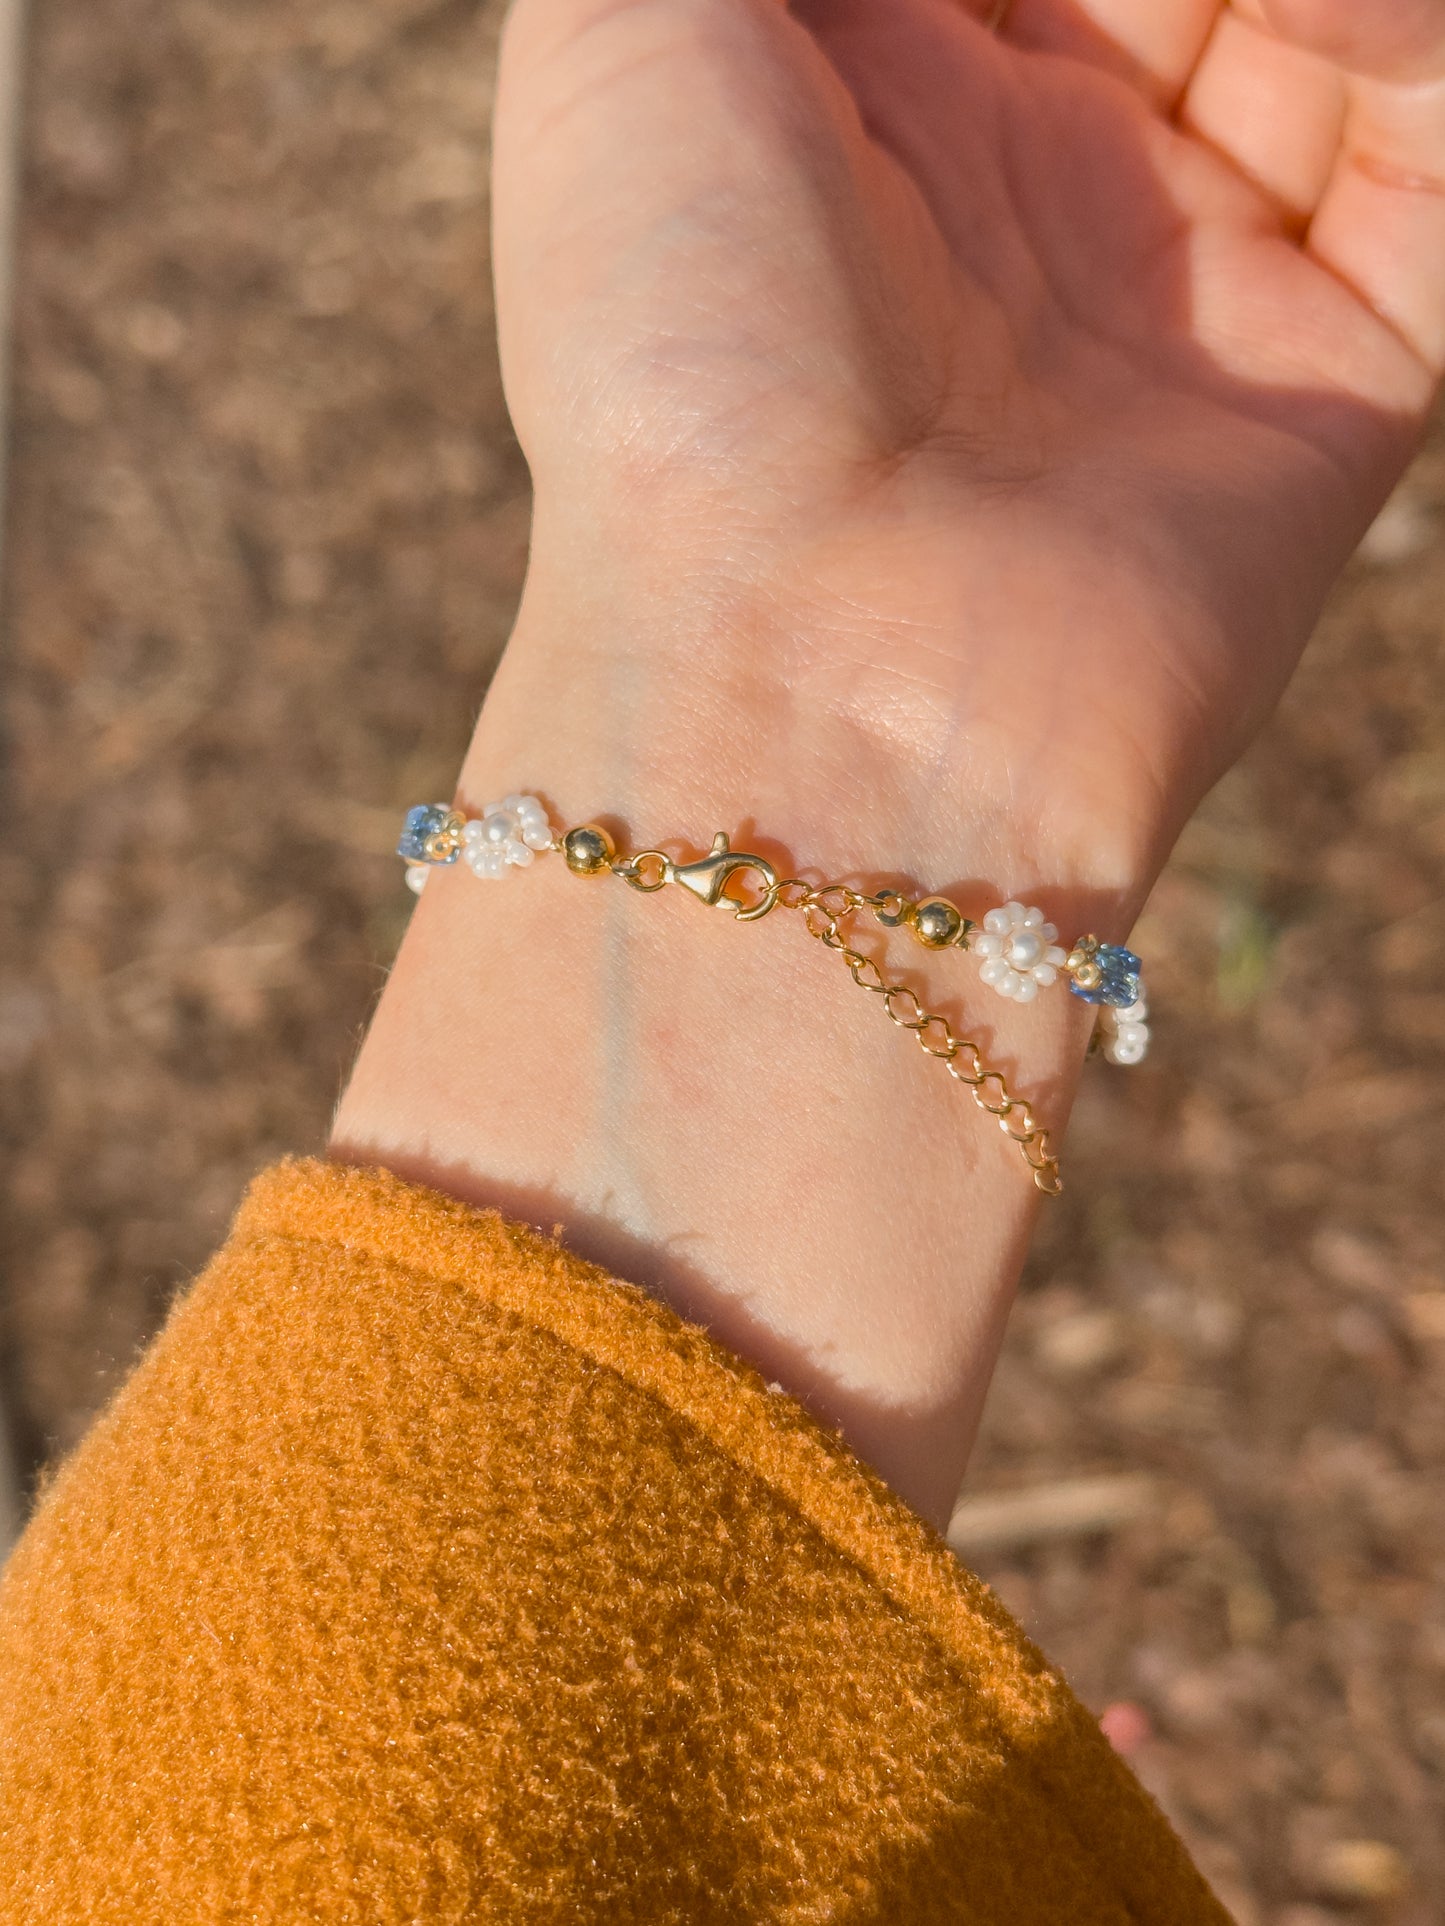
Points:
[712,1109]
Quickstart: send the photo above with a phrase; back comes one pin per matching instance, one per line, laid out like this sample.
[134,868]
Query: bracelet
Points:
[1018,951]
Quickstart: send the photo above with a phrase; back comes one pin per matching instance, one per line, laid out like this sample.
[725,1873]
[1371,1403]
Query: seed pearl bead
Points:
[1021,943]
[416,875]
[588,850]
[1126,1050]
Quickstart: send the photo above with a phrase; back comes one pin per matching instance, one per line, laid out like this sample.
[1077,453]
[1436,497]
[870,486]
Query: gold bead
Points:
[936,922]
[588,850]
[1088,976]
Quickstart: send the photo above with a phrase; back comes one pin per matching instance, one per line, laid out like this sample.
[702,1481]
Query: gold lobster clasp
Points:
[709,876]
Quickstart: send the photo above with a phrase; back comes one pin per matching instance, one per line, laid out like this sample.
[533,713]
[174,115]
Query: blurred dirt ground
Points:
[266,530]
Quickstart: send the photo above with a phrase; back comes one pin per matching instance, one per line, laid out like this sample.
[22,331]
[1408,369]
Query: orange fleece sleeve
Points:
[424,1573]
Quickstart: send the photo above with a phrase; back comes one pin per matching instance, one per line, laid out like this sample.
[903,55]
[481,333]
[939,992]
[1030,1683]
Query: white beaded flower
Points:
[507,834]
[1125,1032]
[1018,952]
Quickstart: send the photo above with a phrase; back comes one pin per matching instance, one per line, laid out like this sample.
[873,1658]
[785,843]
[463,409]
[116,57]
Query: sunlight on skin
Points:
[943,442]
[1275,111]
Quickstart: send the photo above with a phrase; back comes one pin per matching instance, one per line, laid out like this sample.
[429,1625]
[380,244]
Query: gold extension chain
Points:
[824,908]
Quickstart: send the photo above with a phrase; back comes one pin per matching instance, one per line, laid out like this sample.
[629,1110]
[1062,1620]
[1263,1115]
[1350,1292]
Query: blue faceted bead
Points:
[1120,982]
[422,823]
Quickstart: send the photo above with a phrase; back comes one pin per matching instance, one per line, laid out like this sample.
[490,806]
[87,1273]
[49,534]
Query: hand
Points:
[942,443]
[1039,382]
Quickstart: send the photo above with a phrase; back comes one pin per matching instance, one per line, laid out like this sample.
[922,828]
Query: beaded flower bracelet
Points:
[1018,951]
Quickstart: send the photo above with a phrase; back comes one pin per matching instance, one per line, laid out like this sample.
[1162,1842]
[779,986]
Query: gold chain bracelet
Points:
[1016,947]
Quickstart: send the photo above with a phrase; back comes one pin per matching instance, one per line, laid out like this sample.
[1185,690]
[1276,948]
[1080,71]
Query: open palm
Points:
[1040,375]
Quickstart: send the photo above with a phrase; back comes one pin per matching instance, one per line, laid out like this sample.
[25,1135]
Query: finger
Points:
[1273,110]
[1380,225]
[1152,43]
[1399,40]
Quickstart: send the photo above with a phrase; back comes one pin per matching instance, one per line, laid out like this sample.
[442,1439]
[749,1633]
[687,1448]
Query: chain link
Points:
[822,911]
[823,908]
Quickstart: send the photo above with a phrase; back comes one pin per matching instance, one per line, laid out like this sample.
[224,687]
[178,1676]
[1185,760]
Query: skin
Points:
[943,438]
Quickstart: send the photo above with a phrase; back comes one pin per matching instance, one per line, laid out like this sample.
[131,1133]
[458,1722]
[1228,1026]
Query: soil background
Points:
[266,528]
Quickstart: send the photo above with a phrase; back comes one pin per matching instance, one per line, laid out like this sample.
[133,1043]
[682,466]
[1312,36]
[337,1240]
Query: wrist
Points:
[714,1110]
[763,701]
